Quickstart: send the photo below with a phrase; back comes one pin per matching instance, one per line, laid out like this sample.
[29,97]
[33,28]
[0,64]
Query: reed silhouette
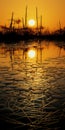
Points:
[13,33]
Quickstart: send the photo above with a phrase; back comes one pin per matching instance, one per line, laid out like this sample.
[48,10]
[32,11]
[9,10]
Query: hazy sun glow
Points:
[52,11]
[31,22]
[31,53]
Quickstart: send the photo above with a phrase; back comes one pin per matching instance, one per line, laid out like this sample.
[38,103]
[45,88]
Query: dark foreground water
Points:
[32,86]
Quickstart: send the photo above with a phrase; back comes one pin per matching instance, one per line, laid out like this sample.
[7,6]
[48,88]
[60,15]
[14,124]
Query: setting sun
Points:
[31,53]
[31,22]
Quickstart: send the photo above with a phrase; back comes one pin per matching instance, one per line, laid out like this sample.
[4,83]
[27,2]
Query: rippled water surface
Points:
[32,89]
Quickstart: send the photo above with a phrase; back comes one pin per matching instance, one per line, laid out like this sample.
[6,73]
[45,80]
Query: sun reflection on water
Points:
[31,77]
[31,53]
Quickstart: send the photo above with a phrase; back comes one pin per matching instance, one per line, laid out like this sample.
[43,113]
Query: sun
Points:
[31,22]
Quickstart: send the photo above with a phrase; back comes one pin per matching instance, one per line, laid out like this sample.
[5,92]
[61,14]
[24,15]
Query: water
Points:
[32,90]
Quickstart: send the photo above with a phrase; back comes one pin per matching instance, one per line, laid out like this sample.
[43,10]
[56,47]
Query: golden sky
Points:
[51,10]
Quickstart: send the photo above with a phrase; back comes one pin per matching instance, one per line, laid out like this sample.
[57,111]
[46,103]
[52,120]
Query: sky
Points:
[52,11]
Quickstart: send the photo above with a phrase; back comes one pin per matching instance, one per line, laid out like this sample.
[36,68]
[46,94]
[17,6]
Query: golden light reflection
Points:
[31,53]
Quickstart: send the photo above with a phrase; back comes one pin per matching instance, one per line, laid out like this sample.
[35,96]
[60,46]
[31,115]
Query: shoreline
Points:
[14,36]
